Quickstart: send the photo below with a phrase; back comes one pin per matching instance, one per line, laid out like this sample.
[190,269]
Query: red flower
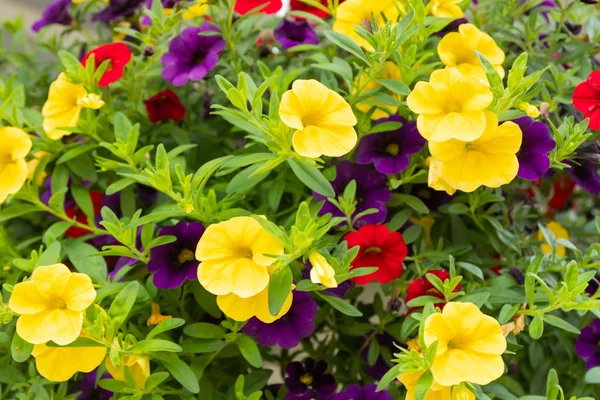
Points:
[117,53]
[378,248]
[78,215]
[164,106]
[243,6]
[586,98]
[422,287]
[297,5]
[563,189]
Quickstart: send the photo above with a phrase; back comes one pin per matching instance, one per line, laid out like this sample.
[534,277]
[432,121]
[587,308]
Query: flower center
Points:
[392,148]
[57,303]
[245,252]
[373,250]
[433,292]
[306,379]
[455,108]
[198,58]
[469,146]
[5,160]
[185,255]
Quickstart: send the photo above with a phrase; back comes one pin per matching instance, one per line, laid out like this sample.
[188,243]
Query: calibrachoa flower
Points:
[56,12]
[117,55]
[89,388]
[586,98]
[378,248]
[321,271]
[192,54]
[382,110]
[435,179]
[559,232]
[117,9]
[422,287]
[73,211]
[14,170]
[269,6]
[445,8]
[59,364]
[175,262]
[358,12]
[52,304]
[371,192]
[196,10]
[139,366]
[390,151]
[450,106]
[457,49]
[488,161]
[288,330]
[470,345]
[533,154]
[308,380]
[64,104]
[164,106]
[356,392]
[437,391]
[233,257]
[322,118]
[292,33]
[587,346]
[585,174]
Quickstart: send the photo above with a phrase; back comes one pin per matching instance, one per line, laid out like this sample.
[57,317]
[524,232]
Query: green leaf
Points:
[81,255]
[347,44]
[76,152]
[50,256]
[593,376]
[204,330]
[181,372]
[206,300]
[312,177]
[475,270]
[560,323]
[122,304]
[150,345]
[164,326]
[342,306]
[17,210]
[536,327]
[250,351]
[413,202]
[243,182]
[20,349]
[395,86]
[79,342]
[552,386]
[423,300]
[280,287]
[423,385]
[492,75]
[373,352]
[390,376]
[154,380]
[201,346]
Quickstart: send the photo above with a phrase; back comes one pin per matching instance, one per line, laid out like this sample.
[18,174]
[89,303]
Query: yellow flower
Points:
[235,256]
[322,118]
[321,272]
[358,12]
[197,10]
[437,391]
[445,8]
[426,223]
[52,304]
[436,179]
[14,170]
[156,317]
[488,161]
[33,164]
[59,364]
[241,309]
[391,71]
[138,365]
[450,106]
[470,345]
[457,49]
[64,104]
[559,232]
[529,109]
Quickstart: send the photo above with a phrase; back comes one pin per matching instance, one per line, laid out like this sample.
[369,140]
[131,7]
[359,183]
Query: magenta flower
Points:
[175,262]
[192,55]
[292,33]
[535,147]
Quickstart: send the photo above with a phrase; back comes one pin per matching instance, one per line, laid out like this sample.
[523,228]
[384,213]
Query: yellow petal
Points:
[59,364]
[456,366]
[465,126]
[332,141]
[79,293]
[423,99]
[26,299]
[51,279]
[60,326]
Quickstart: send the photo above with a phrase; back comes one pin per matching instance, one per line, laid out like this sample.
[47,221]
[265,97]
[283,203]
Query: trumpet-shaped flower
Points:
[382,110]
[358,12]
[436,179]
[64,105]
[139,366]
[457,49]
[470,345]
[488,161]
[322,118]
[321,272]
[59,364]
[559,232]
[235,256]
[445,8]
[436,391]
[450,106]
[52,304]
[14,170]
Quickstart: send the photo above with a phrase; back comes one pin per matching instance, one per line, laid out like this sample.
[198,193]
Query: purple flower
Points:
[117,9]
[89,388]
[56,12]
[587,346]
[536,144]
[292,33]
[288,330]
[192,55]
[175,262]
[452,26]
[308,380]
[371,192]
[389,151]
[585,174]
[356,392]
[379,369]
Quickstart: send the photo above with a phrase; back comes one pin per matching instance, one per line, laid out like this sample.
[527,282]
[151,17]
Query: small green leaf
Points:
[164,326]
[203,330]
[560,323]
[423,385]
[180,371]
[250,351]
[536,327]
[280,287]
[312,177]
[20,349]
[50,256]
[123,303]
[342,306]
